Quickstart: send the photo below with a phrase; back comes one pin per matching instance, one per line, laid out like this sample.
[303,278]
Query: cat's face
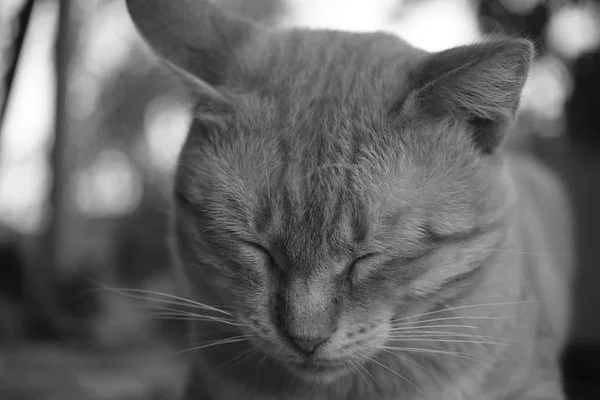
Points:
[323,220]
[335,182]
[325,232]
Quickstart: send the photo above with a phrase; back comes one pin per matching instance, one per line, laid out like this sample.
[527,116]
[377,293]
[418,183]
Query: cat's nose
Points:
[308,346]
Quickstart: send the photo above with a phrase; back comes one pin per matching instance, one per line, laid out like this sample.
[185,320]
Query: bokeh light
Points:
[109,186]
[575,29]
[26,132]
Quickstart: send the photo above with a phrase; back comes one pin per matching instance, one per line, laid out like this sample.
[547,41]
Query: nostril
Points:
[308,346]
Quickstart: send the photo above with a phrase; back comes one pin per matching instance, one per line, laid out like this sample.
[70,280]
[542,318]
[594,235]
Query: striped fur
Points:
[335,184]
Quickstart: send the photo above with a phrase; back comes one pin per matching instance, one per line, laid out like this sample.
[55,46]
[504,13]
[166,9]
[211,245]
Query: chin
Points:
[318,373]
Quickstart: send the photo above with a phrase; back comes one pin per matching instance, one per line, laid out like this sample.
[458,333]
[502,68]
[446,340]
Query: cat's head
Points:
[331,181]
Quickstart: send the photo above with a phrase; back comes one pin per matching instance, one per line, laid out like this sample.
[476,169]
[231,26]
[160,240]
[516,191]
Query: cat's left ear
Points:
[194,37]
[479,85]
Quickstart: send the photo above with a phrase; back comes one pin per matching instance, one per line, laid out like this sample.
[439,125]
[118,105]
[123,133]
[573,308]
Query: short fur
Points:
[346,188]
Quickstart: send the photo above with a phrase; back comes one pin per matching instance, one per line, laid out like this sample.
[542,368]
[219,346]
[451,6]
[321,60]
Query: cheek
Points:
[381,291]
[368,307]
[365,325]
[251,289]
[447,269]
[253,301]
[257,323]
[361,333]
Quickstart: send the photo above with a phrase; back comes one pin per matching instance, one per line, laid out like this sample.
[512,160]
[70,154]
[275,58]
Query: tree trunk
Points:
[45,271]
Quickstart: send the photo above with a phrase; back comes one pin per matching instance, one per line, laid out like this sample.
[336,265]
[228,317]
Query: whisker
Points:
[358,370]
[527,253]
[234,339]
[445,333]
[262,359]
[193,318]
[395,373]
[190,315]
[366,371]
[408,360]
[181,311]
[151,303]
[412,339]
[464,307]
[239,357]
[138,293]
[453,318]
[185,312]
[451,353]
[184,307]
[125,292]
[406,328]
[189,303]
[171,312]
[292,382]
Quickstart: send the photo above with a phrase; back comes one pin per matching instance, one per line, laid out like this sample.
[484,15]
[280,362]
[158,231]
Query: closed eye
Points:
[416,256]
[435,239]
[364,266]
[364,261]
[269,260]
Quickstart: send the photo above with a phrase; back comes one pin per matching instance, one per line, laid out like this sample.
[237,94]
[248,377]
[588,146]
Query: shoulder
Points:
[533,177]
[542,197]
[544,224]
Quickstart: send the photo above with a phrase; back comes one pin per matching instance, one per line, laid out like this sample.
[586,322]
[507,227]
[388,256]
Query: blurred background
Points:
[91,125]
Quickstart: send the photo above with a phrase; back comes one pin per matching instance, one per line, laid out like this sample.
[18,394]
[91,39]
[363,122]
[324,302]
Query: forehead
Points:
[308,65]
[312,135]
[319,94]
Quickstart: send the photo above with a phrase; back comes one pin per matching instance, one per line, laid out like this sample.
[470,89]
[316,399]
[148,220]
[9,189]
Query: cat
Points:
[346,221]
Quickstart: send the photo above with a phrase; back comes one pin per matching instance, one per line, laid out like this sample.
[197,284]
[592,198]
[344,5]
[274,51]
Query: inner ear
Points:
[487,134]
[478,85]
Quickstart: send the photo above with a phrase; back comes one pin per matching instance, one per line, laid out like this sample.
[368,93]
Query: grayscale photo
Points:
[299,199]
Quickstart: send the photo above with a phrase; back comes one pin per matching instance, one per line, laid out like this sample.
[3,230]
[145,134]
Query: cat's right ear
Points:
[195,37]
[478,86]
